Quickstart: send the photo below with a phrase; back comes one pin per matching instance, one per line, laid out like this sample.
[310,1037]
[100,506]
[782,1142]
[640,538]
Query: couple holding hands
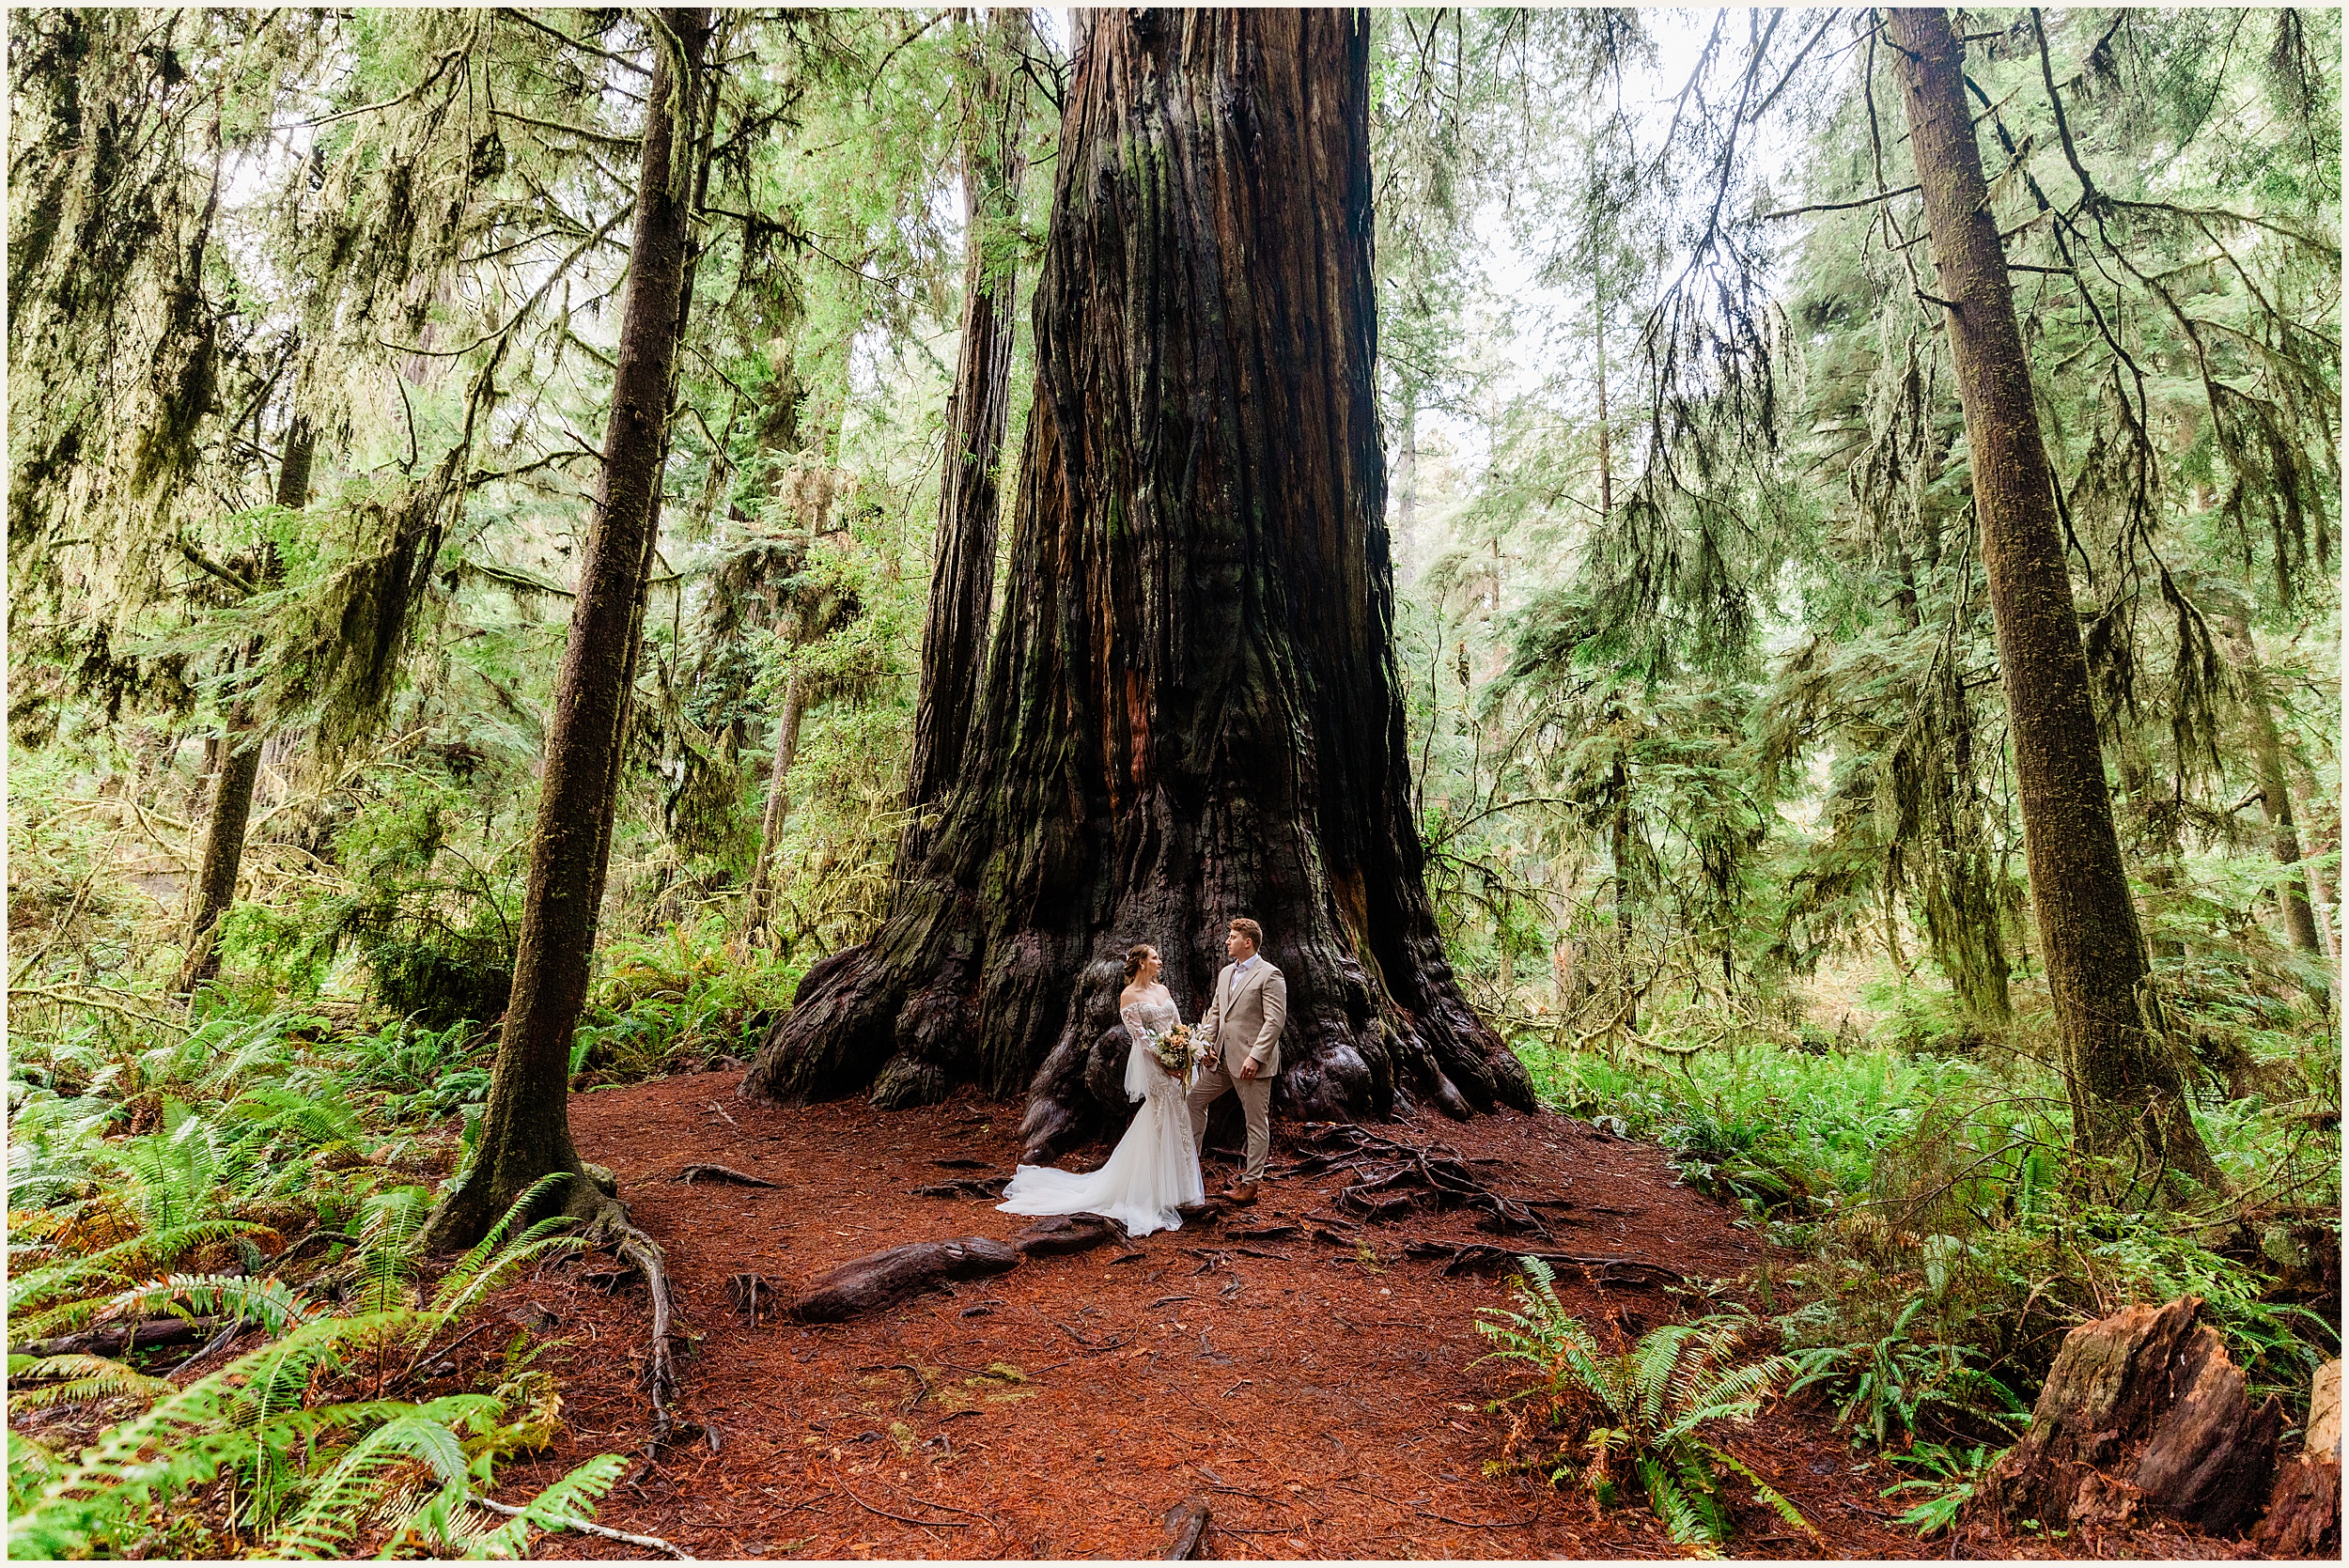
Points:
[1177,1072]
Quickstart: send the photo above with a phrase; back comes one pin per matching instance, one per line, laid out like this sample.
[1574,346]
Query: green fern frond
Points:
[1664,1496]
[268,1301]
[79,1379]
[491,1261]
[336,1505]
[1763,1491]
[32,1463]
[123,1264]
[569,1499]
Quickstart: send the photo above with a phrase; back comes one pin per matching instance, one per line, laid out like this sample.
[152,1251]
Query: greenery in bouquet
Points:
[1178,1051]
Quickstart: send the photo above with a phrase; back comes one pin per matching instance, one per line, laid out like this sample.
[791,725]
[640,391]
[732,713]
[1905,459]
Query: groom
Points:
[1252,1002]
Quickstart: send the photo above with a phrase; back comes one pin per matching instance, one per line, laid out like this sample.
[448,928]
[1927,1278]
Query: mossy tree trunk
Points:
[526,1132]
[2267,754]
[1191,709]
[962,583]
[794,702]
[2124,1081]
[215,887]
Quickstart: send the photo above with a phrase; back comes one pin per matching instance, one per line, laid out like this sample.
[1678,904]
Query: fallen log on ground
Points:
[1065,1232]
[964,1186]
[692,1173]
[120,1338]
[2142,1409]
[883,1279]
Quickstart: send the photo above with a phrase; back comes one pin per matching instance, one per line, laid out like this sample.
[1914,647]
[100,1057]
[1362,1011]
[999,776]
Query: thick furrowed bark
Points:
[1191,710]
[962,587]
[526,1132]
[2127,1096]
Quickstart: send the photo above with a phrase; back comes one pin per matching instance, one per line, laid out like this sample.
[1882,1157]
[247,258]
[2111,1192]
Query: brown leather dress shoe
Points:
[1242,1193]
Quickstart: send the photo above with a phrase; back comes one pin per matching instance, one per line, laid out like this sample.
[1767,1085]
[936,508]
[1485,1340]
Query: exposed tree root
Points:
[751,1295]
[880,1279]
[1061,1234]
[1392,1179]
[1481,1257]
[611,1230]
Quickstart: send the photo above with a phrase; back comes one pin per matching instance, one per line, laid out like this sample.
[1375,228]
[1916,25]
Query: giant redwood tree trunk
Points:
[1191,709]
[527,1132]
[215,887]
[962,585]
[2124,1085]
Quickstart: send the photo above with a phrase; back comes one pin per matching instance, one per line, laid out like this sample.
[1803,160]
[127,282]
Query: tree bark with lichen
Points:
[1191,710]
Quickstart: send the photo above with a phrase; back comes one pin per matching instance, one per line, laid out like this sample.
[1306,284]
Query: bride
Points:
[1156,1165]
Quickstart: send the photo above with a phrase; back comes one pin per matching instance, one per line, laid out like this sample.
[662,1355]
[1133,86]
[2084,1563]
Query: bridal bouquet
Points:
[1178,1053]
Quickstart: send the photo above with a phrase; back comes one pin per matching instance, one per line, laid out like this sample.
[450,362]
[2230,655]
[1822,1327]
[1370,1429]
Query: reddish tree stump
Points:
[2304,1515]
[2142,1409]
[883,1279]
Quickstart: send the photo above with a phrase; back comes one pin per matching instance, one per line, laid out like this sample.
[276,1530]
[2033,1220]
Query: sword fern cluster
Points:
[1647,1409]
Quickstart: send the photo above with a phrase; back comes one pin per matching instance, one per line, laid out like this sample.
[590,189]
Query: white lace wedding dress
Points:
[1154,1167]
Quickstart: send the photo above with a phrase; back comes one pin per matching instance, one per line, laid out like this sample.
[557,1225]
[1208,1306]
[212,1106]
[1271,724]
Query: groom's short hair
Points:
[1249,928]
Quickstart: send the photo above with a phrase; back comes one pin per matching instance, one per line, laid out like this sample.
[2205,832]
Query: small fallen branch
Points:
[925,1523]
[650,1542]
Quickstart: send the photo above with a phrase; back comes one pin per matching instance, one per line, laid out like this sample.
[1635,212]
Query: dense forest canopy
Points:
[1719,756]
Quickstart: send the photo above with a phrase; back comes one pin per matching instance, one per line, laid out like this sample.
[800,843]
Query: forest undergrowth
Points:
[1710,732]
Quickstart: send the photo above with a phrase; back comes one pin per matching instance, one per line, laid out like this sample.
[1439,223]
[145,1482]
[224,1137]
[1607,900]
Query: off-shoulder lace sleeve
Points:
[1140,1062]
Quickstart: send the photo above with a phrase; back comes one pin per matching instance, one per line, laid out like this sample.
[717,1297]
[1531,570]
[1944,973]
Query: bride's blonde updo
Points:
[1136,956]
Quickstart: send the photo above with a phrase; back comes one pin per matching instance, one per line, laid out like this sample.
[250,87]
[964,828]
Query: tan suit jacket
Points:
[1246,1015]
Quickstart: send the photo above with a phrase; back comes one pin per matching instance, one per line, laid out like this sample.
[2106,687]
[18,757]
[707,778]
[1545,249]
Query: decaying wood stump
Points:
[2142,1409]
[2304,1515]
[879,1280]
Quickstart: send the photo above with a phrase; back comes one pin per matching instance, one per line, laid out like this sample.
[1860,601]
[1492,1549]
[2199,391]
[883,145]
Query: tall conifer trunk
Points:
[215,887]
[770,822]
[526,1132]
[1191,710]
[2267,753]
[2124,1081]
[962,585]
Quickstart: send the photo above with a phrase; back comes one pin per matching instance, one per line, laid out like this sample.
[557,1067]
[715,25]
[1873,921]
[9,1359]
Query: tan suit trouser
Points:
[1255,1102]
